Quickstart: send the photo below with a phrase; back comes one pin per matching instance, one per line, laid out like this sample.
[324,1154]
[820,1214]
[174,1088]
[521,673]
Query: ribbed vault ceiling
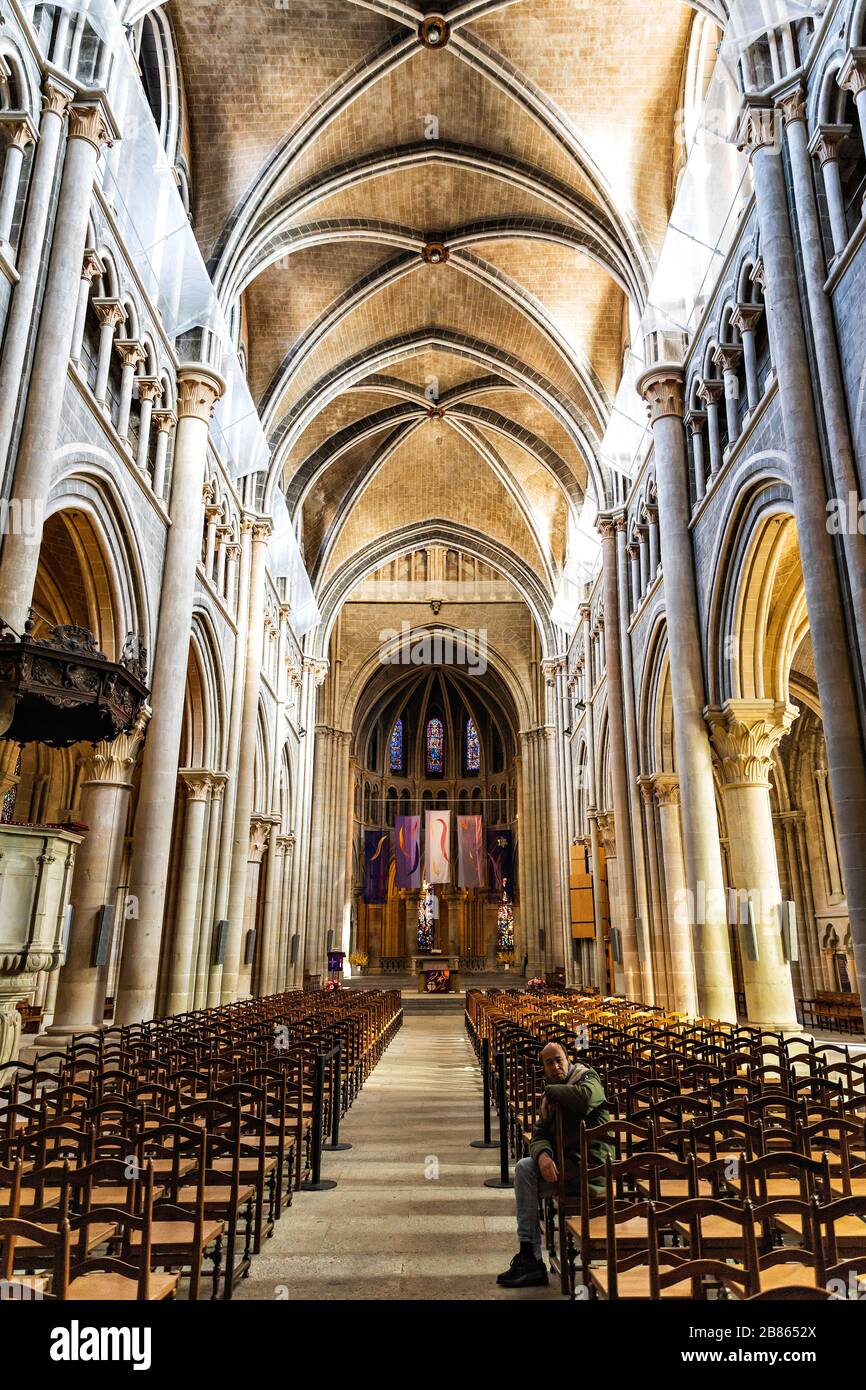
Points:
[330,146]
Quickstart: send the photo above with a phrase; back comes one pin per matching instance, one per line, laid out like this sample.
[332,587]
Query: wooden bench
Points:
[837,1012]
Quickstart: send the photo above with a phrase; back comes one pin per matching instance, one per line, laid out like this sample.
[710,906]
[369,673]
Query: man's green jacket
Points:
[580,1097]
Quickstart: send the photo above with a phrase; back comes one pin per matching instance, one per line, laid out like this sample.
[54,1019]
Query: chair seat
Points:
[166,1165]
[858,1187]
[633,1232]
[219,1199]
[635,1283]
[116,1288]
[781,1275]
[249,1167]
[114,1196]
[171,1234]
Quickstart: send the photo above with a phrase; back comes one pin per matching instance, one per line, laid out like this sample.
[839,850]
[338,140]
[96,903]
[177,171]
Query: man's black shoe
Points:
[524,1272]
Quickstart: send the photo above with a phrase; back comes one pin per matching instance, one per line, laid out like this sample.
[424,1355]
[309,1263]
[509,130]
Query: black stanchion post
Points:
[486,1142]
[336,1104]
[315,1182]
[503,1180]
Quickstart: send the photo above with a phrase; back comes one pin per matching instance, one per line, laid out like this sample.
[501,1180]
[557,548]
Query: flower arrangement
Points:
[536,984]
[359,958]
[331,985]
[504,958]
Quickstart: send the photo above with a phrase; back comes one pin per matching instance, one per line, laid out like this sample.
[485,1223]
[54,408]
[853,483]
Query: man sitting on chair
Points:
[576,1091]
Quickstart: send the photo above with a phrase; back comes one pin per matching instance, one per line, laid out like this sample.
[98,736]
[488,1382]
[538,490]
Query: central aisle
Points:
[411,1217]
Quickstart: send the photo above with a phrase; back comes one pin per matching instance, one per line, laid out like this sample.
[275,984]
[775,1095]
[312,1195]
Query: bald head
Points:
[554,1059]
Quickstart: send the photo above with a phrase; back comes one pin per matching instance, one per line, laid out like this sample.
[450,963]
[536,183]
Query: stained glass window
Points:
[473,747]
[395,748]
[435,745]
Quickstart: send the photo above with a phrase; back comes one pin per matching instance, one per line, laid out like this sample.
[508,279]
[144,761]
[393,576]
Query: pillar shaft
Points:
[197,786]
[662,389]
[836,687]
[198,389]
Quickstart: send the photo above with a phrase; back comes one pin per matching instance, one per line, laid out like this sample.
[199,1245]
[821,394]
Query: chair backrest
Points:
[55,1243]
[697,1267]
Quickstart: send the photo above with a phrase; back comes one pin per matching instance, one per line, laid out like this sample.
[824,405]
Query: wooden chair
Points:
[53,1246]
[699,1270]
[181,1234]
[126,1276]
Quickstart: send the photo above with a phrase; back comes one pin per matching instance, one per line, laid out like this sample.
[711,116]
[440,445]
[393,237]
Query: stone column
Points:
[835,409]
[131,354]
[651,516]
[286,844]
[852,78]
[600,958]
[198,389]
[89,128]
[633,553]
[165,421]
[56,96]
[696,422]
[111,315]
[710,392]
[241,569]
[662,389]
[204,944]
[196,786]
[727,358]
[91,268]
[836,686]
[270,909]
[258,843]
[810,981]
[825,146]
[745,319]
[632,983]
[149,392]
[746,734]
[259,534]
[19,133]
[105,791]
[666,790]
[662,992]
[642,923]
[314,671]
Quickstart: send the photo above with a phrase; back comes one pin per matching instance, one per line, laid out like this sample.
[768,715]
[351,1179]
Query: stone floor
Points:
[411,1217]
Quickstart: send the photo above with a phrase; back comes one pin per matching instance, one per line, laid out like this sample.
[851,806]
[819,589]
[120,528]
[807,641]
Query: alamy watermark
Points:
[420,647]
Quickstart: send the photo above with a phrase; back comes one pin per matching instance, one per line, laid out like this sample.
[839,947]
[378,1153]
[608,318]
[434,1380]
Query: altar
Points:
[438,972]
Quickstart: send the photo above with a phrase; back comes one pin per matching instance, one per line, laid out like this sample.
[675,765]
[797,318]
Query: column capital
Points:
[620,521]
[260,833]
[607,833]
[17,129]
[164,420]
[758,274]
[130,351]
[632,550]
[792,105]
[90,119]
[852,74]
[317,667]
[92,265]
[198,390]
[728,356]
[219,782]
[827,141]
[666,788]
[605,525]
[196,782]
[759,127]
[745,735]
[662,391]
[149,388]
[696,421]
[746,317]
[710,391]
[110,312]
[56,95]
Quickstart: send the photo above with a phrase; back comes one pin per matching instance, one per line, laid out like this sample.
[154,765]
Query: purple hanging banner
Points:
[408,851]
[470,845]
[377,856]
[500,859]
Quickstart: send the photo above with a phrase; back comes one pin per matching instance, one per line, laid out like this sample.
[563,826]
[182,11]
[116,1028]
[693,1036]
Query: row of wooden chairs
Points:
[168,1146]
[701,1100]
